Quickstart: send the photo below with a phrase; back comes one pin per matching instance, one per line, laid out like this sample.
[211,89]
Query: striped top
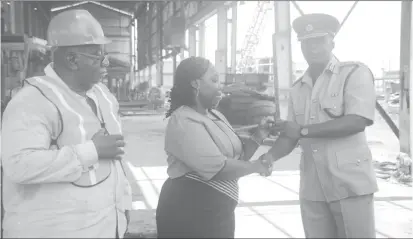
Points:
[227,187]
[198,147]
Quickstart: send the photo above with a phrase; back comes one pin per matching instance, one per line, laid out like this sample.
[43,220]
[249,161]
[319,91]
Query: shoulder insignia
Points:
[351,64]
[297,81]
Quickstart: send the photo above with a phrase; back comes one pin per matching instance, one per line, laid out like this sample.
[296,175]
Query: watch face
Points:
[304,131]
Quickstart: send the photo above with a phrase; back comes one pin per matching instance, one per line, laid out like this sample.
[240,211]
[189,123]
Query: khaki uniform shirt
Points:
[334,168]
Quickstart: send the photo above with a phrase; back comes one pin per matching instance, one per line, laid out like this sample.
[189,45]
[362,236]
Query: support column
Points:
[282,54]
[159,73]
[221,52]
[30,20]
[150,80]
[145,74]
[150,39]
[192,40]
[138,78]
[201,43]
[234,21]
[173,66]
[12,19]
[18,24]
[159,60]
[132,81]
[406,71]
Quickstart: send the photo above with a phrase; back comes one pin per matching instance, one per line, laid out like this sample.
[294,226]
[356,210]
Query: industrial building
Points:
[150,37]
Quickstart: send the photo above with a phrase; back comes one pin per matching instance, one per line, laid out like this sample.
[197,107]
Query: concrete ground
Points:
[269,206]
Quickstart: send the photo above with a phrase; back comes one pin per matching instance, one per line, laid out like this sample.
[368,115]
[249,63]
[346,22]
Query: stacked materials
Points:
[244,106]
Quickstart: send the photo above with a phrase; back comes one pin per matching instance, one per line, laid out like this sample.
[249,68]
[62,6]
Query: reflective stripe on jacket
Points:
[40,194]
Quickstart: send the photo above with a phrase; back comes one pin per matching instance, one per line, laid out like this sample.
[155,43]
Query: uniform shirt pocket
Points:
[353,158]
[299,113]
[333,105]
[355,174]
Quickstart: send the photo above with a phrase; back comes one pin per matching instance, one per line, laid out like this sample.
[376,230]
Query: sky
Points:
[371,34]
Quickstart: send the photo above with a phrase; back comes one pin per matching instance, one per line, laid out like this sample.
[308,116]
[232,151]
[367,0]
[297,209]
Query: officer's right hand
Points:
[108,146]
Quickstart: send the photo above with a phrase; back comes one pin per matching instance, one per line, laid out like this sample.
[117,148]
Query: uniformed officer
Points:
[329,109]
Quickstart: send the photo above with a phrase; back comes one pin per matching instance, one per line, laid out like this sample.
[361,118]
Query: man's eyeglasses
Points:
[103,59]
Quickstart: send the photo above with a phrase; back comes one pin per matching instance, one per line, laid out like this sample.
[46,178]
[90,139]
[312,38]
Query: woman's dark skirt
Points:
[188,208]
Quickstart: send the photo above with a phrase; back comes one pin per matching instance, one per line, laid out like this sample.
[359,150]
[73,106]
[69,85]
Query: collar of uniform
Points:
[331,67]
[50,72]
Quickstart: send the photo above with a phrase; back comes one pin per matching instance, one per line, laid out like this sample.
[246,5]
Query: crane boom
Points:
[252,37]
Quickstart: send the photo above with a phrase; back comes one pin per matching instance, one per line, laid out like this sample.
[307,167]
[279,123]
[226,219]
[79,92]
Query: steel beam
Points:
[12,16]
[234,21]
[347,15]
[201,40]
[192,41]
[18,23]
[174,65]
[282,52]
[406,71]
[221,52]
[132,55]
[297,7]
[159,60]
[206,12]
[149,42]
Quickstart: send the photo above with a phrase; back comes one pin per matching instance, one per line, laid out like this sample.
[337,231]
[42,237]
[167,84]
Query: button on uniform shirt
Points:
[334,168]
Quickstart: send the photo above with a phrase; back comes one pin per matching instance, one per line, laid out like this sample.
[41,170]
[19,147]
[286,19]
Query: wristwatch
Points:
[303,132]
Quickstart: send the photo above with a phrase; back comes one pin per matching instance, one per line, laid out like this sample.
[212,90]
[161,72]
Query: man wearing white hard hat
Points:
[63,147]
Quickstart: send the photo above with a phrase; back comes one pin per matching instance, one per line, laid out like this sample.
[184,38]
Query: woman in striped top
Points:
[205,158]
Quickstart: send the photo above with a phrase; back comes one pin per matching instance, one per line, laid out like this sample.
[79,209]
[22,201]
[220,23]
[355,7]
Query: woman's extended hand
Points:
[264,165]
[268,161]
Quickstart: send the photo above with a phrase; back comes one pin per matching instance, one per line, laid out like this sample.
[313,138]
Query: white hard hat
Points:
[73,28]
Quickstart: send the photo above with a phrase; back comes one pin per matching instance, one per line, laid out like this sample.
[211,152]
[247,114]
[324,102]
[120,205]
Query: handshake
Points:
[266,127]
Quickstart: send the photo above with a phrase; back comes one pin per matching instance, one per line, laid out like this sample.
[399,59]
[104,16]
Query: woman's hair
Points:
[182,92]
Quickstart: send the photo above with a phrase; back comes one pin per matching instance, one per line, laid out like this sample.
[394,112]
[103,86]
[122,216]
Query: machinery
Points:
[22,57]
[246,101]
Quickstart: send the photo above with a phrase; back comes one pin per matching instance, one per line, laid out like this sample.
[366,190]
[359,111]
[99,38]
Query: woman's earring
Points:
[197,92]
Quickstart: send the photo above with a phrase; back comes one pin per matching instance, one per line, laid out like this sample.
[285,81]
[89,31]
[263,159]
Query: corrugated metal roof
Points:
[108,5]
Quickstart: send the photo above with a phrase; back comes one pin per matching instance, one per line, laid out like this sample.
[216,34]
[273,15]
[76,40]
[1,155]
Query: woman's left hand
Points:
[267,161]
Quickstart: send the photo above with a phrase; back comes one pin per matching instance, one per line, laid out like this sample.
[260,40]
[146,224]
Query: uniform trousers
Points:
[351,217]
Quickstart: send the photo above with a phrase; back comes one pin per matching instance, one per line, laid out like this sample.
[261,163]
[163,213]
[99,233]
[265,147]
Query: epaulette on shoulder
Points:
[351,66]
[346,64]
[297,81]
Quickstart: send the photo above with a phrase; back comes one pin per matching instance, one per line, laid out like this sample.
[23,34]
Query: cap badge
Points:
[309,28]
